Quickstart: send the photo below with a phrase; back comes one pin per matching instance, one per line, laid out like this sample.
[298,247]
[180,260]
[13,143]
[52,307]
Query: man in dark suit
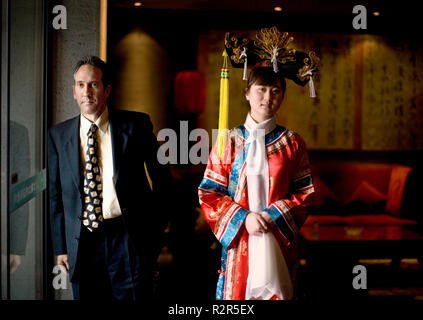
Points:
[106,219]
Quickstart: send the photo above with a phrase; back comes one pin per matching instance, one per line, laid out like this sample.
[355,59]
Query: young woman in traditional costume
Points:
[257,186]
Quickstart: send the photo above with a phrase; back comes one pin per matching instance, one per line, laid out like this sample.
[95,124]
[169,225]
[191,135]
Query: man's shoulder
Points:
[133,119]
[64,126]
[129,115]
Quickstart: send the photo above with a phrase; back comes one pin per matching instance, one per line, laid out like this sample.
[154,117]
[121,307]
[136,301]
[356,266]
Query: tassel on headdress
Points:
[223,105]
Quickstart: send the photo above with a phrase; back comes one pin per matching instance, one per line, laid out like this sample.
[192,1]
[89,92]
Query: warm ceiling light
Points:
[277,8]
[376,13]
[137,4]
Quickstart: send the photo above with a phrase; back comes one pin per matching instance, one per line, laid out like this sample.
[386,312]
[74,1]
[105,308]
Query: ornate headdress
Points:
[269,48]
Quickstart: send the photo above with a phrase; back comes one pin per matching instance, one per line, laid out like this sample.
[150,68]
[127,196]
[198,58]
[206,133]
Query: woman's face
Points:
[264,100]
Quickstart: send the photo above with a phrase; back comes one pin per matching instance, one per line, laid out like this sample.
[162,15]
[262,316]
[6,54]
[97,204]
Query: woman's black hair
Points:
[265,76]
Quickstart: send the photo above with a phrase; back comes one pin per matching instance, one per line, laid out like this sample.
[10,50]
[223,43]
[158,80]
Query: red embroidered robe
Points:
[224,200]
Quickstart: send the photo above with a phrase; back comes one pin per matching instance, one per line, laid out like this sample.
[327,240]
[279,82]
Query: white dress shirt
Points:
[111,207]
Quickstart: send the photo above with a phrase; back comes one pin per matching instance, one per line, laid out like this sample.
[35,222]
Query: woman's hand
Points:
[266,217]
[255,224]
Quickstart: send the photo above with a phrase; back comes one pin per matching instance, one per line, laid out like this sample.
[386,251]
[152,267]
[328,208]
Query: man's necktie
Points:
[92,216]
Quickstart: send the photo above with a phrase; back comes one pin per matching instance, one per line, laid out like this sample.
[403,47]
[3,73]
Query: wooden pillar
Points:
[103,30]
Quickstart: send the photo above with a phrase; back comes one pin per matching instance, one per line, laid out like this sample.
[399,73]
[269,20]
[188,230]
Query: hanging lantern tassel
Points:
[223,106]
[244,55]
[311,84]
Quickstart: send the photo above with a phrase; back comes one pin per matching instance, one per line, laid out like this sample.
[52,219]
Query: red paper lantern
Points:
[190,92]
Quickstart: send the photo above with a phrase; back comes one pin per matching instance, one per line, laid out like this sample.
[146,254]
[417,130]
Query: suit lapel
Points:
[72,148]
[118,130]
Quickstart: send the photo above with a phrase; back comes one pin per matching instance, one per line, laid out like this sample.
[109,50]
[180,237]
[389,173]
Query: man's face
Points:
[89,92]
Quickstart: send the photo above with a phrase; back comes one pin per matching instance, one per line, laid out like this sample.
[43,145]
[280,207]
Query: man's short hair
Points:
[96,62]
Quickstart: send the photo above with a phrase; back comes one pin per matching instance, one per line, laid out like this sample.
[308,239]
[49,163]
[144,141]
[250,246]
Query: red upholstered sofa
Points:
[349,193]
